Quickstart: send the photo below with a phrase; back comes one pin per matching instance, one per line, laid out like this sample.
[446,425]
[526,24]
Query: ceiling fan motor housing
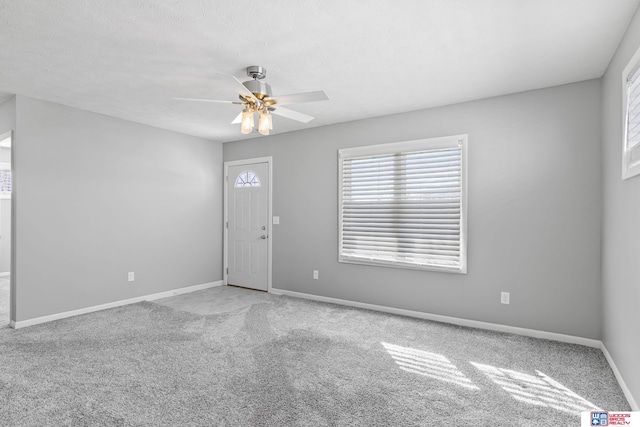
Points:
[260,89]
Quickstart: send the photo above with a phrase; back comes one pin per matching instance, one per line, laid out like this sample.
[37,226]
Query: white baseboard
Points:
[447,319]
[623,385]
[159,295]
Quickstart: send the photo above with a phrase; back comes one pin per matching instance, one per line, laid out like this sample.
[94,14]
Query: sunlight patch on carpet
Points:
[539,389]
[428,364]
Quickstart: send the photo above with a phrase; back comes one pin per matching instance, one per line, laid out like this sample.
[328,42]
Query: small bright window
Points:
[247,179]
[631,99]
[404,204]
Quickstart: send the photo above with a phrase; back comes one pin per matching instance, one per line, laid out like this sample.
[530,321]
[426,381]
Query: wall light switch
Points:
[504,297]
[276,220]
[315,274]
[131,276]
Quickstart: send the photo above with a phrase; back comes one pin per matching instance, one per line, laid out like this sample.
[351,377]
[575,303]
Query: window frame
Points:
[409,147]
[630,155]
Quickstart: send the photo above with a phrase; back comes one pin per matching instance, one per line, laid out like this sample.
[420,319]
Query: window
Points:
[631,99]
[247,179]
[404,204]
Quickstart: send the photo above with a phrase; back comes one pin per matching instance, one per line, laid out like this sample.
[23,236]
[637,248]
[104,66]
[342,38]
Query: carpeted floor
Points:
[264,360]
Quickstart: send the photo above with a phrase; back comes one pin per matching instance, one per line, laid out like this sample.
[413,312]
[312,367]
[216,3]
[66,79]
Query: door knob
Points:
[263,237]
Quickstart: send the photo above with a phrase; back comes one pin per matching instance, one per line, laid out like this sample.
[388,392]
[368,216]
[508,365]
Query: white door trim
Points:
[269,162]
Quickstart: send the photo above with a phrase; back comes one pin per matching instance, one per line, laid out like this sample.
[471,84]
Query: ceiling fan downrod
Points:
[256,72]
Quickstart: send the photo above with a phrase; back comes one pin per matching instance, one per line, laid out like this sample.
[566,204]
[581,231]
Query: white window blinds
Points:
[633,110]
[5,182]
[403,204]
[631,96]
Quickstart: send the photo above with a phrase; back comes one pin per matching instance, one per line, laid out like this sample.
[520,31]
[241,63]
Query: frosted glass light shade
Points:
[264,123]
[246,125]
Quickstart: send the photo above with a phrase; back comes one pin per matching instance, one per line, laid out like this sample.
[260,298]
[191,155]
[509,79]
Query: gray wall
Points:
[7,116]
[621,226]
[97,197]
[534,211]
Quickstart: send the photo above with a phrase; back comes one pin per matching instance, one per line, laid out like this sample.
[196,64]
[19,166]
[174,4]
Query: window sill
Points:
[404,266]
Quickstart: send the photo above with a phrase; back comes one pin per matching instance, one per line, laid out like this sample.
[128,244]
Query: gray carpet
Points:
[266,360]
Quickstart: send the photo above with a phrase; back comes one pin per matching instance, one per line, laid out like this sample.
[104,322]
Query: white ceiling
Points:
[129,58]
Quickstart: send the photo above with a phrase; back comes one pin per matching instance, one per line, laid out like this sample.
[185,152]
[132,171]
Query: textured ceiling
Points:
[129,58]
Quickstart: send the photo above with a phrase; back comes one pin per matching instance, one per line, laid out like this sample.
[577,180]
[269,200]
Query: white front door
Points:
[247,209]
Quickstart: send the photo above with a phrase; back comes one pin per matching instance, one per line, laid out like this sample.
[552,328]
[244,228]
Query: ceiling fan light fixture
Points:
[255,96]
[264,122]
[246,125]
[269,120]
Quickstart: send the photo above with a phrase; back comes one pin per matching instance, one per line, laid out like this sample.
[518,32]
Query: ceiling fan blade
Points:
[238,119]
[217,101]
[293,115]
[242,90]
[298,98]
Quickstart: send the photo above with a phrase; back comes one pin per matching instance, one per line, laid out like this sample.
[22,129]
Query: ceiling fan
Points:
[256,97]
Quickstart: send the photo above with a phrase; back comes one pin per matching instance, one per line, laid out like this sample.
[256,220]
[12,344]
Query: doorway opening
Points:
[5,226]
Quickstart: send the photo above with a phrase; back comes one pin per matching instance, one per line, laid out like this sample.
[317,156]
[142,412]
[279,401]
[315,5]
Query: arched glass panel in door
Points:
[247,178]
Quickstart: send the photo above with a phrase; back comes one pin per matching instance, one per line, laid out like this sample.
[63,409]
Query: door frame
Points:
[225,264]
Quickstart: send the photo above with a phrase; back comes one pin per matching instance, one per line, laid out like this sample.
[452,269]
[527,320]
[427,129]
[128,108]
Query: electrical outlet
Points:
[131,276]
[504,297]
[276,220]
[315,274]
